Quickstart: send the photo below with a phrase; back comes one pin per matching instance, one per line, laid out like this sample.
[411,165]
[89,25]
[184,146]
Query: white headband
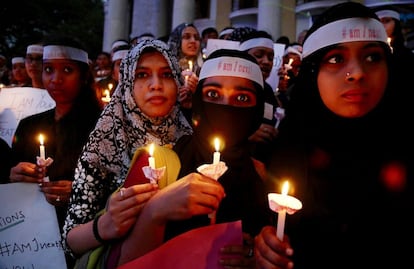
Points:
[36,49]
[256,42]
[64,52]
[226,32]
[118,44]
[17,60]
[294,50]
[346,30]
[233,67]
[388,13]
[120,54]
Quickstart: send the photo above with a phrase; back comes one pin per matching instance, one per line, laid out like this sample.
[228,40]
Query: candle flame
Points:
[190,65]
[217,144]
[110,86]
[41,139]
[290,61]
[151,149]
[285,188]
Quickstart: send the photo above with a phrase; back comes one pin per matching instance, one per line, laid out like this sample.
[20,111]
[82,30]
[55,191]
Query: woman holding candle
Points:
[259,44]
[142,110]
[185,43]
[348,160]
[228,105]
[64,129]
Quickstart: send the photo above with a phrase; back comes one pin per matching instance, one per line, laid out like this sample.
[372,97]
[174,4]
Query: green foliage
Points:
[23,22]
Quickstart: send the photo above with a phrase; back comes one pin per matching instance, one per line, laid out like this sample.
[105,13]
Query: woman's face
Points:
[190,42]
[155,90]
[63,80]
[264,57]
[33,65]
[19,73]
[225,90]
[352,78]
[389,25]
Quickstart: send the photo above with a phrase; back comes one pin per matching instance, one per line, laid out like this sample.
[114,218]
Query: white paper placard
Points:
[215,44]
[29,231]
[273,78]
[17,103]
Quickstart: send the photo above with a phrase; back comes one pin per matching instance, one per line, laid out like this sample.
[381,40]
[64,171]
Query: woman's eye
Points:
[242,98]
[68,69]
[47,69]
[375,57]
[212,94]
[335,59]
[168,74]
[140,75]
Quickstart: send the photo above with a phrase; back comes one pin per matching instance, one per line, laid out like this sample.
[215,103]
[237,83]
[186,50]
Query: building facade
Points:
[125,19]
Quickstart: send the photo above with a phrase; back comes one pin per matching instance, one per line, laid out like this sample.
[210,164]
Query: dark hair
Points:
[86,102]
[208,30]
[305,91]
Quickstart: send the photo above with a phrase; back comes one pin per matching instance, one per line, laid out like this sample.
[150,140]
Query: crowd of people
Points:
[343,142]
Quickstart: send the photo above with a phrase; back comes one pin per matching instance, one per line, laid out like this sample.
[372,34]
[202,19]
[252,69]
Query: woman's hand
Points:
[58,192]
[194,194]
[123,209]
[270,252]
[185,93]
[27,172]
[265,134]
[239,256]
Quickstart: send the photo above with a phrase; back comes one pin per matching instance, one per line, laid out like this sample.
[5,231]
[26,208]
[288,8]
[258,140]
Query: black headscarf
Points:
[245,195]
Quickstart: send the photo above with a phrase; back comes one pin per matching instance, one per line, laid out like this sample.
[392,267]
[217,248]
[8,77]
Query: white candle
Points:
[42,147]
[289,64]
[282,213]
[151,159]
[190,65]
[216,155]
[107,97]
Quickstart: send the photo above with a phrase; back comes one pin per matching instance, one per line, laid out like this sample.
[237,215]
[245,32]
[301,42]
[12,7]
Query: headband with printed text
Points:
[346,30]
[233,67]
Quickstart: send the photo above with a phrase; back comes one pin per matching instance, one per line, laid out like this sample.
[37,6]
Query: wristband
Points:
[96,232]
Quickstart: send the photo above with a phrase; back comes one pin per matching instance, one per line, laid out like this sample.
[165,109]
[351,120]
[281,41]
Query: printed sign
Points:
[17,103]
[29,230]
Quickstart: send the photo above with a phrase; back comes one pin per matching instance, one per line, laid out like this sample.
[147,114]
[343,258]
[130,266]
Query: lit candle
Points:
[282,213]
[186,80]
[42,147]
[289,64]
[151,159]
[282,204]
[190,65]
[389,42]
[216,155]
[107,98]
[110,86]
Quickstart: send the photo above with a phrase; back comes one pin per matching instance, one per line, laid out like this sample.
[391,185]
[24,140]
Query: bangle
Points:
[96,232]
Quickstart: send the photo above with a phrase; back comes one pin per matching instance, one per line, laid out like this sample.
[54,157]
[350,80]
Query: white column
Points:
[150,16]
[183,11]
[269,17]
[116,24]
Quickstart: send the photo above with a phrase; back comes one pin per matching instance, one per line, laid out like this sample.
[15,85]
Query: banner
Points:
[29,230]
[17,103]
